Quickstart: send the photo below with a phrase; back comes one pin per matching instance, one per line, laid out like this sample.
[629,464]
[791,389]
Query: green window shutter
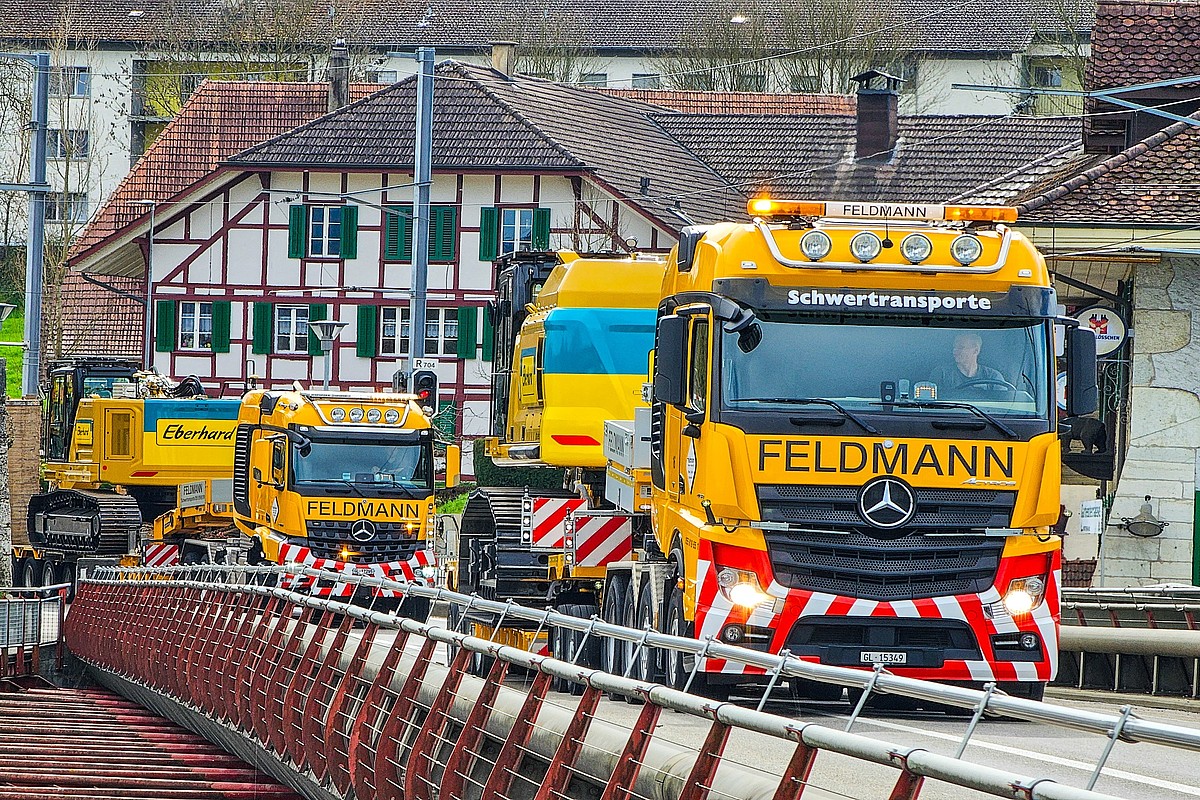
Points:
[489,234]
[316,312]
[220,322]
[349,232]
[297,232]
[466,332]
[398,233]
[489,333]
[367,340]
[443,233]
[263,328]
[164,326]
[541,229]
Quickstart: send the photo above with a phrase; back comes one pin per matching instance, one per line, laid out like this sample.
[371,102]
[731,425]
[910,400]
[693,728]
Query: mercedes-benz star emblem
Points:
[362,531]
[886,502]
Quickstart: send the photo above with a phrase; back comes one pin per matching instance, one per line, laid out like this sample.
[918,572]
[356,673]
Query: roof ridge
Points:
[524,120]
[1126,156]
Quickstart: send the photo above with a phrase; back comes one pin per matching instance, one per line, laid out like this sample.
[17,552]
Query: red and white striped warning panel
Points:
[162,555]
[409,570]
[550,520]
[601,540]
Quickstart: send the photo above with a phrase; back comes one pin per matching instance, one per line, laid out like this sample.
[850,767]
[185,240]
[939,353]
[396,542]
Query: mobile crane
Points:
[846,447]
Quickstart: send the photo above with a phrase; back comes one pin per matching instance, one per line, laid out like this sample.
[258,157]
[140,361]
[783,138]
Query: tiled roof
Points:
[218,120]
[1144,184]
[1135,42]
[97,321]
[646,25]
[483,120]
[740,102]
[938,158]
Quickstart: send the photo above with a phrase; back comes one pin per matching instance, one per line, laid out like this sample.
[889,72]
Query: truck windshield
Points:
[1000,369]
[366,463]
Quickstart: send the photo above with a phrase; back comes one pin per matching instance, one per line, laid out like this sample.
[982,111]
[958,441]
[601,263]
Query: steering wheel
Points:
[979,382]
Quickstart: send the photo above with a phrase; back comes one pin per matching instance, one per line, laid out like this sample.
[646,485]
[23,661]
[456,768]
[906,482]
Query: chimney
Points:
[503,56]
[877,126]
[338,75]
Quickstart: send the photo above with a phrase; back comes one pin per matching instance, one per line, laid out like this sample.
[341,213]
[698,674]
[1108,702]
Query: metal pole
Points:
[327,351]
[422,178]
[148,349]
[35,252]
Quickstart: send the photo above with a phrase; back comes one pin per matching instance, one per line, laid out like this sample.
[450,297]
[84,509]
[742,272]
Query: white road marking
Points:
[1049,759]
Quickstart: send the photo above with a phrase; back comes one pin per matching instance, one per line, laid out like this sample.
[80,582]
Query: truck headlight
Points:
[1024,595]
[865,246]
[741,587]
[815,245]
[429,573]
[966,249]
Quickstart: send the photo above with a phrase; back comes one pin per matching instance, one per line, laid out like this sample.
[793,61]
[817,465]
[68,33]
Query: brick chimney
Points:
[338,75]
[877,126]
[504,54]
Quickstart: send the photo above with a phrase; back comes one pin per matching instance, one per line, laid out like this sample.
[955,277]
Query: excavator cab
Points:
[70,381]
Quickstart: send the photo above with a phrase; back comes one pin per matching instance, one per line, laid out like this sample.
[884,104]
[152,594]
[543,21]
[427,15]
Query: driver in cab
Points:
[966,368]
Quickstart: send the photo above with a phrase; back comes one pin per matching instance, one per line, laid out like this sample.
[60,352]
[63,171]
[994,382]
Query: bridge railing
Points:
[31,625]
[357,700]
[1134,639]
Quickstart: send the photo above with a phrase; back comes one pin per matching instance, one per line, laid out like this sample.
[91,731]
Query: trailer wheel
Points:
[27,571]
[612,651]
[647,660]
[68,577]
[49,573]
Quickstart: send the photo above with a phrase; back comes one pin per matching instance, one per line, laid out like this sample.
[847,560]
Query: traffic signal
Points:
[425,387]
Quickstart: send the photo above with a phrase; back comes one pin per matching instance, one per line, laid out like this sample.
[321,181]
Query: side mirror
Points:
[453,465]
[670,367]
[1083,395]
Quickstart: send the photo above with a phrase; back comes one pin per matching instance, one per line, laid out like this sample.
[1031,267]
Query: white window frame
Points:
[383,76]
[597,80]
[77,77]
[68,143]
[293,341]
[646,80]
[324,233]
[441,331]
[514,221]
[193,336]
[67,207]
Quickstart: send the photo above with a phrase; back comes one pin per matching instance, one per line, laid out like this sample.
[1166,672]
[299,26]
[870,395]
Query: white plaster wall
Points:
[1164,434]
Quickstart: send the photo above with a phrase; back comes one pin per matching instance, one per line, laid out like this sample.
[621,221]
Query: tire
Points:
[415,608]
[802,689]
[612,651]
[646,667]
[676,666]
[31,572]
[68,576]
[569,642]
[49,573]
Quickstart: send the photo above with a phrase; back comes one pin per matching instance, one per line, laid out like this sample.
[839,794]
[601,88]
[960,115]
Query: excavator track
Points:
[87,522]
[493,560]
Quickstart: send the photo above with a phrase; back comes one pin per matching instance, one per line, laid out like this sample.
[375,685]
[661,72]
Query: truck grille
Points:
[392,542]
[855,565]
[836,507]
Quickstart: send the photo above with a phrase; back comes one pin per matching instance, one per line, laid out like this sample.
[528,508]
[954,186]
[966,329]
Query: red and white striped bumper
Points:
[410,571]
[984,613]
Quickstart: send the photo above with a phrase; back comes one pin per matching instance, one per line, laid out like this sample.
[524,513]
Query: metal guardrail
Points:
[1134,639]
[31,621]
[253,657]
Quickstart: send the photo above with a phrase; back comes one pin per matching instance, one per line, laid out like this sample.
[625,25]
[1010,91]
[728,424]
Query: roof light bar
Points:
[769,207]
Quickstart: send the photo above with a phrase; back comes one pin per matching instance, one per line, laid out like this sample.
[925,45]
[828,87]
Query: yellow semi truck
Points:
[846,446]
[338,479]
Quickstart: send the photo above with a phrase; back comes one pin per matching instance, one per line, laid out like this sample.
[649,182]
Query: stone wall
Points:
[24,463]
[1164,429]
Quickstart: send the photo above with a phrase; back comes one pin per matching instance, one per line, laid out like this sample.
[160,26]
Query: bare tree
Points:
[548,44]
[812,46]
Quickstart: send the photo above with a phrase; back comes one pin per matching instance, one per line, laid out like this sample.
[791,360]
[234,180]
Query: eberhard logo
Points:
[195,433]
[363,509]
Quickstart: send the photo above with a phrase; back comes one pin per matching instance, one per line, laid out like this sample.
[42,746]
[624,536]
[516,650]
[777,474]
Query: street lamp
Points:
[326,330]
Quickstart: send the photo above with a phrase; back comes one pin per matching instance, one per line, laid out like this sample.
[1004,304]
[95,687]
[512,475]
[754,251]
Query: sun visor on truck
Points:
[760,294]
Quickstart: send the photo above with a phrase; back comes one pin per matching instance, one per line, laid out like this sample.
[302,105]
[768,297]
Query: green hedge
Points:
[488,474]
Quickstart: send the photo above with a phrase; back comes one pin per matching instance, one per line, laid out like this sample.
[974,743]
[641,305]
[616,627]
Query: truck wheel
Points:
[29,571]
[675,662]
[415,608]
[68,576]
[49,573]
[646,668]
[612,651]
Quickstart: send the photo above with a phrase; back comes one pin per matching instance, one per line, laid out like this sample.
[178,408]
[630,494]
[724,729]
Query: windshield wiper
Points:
[349,484]
[976,410]
[817,401]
